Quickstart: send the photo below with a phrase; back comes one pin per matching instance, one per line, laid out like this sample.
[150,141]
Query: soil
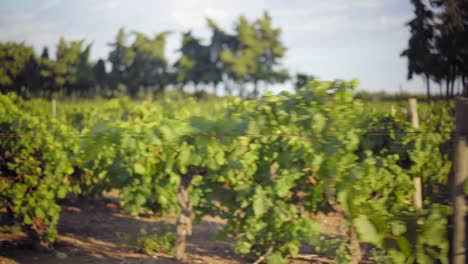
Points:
[89,233]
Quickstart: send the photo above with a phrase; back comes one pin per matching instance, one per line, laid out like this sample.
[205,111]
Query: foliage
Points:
[138,63]
[142,64]
[256,55]
[157,241]
[35,171]
[264,165]
[17,63]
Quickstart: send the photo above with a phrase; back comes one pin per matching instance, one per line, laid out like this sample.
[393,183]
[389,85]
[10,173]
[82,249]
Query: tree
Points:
[118,61]
[451,41]
[256,55]
[249,56]
[146,64]
[72,69]
[48,83]
[140,65]
[438,47]
[420,44]
[301,80]
[99,75]
[190,65]
[17,64]
[240,62]
[45,53]
[220,41]
[272,52]
[84,71]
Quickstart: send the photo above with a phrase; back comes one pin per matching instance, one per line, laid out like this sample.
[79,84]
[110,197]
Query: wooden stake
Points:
[413,112]
[417,192]
[413,115]
[459,253]
[54,108]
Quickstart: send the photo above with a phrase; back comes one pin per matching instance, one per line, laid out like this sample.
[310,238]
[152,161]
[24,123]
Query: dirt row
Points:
[89,233]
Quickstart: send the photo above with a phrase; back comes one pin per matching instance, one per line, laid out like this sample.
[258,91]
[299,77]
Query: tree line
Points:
[250,56]
[240,62]
[438,46]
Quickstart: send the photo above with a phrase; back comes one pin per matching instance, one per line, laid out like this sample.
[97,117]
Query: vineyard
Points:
[265,166]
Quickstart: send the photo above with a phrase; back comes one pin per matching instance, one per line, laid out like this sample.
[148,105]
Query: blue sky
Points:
[328,38]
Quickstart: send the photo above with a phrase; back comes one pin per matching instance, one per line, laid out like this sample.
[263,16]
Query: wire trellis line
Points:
[217,135]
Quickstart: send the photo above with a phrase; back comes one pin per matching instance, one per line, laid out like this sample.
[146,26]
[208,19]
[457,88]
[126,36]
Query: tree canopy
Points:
[438,45]
[248,55]
[241,60]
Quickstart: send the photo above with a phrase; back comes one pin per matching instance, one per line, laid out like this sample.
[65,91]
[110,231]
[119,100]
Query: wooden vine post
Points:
[414,118]
[54,108]
[459,253]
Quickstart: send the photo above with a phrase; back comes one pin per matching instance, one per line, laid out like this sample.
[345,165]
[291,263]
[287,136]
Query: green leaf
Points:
[27,219]
[398,228]
[219,158]
[366,230]
[39,212]
[102,175]
[140,199]
[404,245]
[319,122]
[396,256]
[139,169]
[260,203]
[243,247]
[275,258]
[62,192]
[184,156]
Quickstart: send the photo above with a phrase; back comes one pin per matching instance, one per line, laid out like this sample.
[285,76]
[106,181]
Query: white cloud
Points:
[110,4]
[23,26]
[368,4]
[192,14]
[327,25]
[330,7]
[219,15]
[383,24]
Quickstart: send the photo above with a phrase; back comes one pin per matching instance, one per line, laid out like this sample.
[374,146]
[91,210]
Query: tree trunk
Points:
[452,85]
[255,91]
[215,88]
[465,85]
[241,90]
[428,86]
[447,87]
[37,234]
[464,88]
[228,87]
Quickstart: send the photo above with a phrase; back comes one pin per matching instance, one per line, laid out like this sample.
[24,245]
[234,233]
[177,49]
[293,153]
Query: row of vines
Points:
[263,165]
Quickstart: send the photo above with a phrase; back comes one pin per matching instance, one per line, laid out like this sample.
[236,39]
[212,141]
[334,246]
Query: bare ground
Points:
[88,233]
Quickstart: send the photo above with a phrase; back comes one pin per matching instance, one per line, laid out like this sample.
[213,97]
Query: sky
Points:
[331,39]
